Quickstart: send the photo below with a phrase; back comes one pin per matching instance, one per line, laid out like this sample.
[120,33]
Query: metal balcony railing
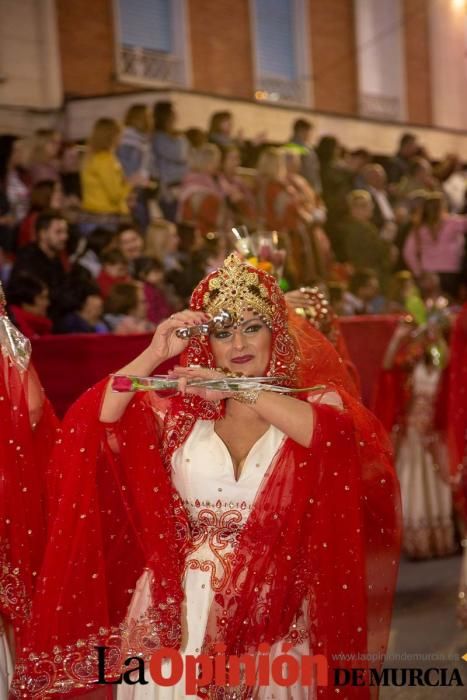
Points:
[379,107]
[150,66]
[276,89]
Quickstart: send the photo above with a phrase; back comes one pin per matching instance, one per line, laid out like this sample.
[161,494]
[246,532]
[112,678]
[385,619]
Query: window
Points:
[151,46]
[379,36]
[281,42]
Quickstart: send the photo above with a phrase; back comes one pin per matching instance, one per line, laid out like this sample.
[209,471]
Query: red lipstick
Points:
[242,359]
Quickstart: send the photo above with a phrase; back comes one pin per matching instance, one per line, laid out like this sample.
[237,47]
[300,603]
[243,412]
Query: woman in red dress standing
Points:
[27,431]
[218,517]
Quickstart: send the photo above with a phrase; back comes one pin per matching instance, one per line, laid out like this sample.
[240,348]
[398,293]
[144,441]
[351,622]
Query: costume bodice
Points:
[217,504]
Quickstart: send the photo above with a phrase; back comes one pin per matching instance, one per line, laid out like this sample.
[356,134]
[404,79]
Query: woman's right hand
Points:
[165,343]
[297,299]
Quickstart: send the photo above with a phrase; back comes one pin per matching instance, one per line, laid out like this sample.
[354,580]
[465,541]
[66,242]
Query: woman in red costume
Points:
[27,431]
[457,436]
[411,404]
[212,519]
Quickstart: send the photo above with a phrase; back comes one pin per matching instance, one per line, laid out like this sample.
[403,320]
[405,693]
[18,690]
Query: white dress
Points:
[422,466]
[218,505]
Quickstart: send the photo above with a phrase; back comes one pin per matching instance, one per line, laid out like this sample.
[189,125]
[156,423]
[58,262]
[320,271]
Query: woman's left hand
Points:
[185,374]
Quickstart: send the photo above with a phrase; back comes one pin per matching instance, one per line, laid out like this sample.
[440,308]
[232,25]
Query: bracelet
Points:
[249,397]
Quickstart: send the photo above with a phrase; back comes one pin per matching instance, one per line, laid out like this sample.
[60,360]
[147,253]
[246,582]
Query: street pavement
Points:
[424,623]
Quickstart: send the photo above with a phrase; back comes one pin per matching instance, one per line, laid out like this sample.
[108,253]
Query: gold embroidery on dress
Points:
[75,665]
[13,597]
[219,530]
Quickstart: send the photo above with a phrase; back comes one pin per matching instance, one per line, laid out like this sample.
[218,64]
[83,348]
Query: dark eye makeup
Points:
[221,335]
[225,334]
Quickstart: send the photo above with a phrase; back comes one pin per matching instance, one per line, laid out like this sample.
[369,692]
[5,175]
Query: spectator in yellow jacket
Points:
[105,189]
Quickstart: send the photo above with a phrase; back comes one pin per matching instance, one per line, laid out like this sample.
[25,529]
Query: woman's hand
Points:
[165,343]
[185,374]
[404,329]
[297,299]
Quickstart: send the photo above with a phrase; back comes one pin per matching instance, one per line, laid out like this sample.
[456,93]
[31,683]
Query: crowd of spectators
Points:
[113,234]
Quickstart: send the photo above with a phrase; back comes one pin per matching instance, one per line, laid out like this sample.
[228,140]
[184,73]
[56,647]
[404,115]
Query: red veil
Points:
[325,523]
[23,458]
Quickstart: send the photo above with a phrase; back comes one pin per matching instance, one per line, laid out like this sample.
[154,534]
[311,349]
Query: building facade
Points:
[364,69]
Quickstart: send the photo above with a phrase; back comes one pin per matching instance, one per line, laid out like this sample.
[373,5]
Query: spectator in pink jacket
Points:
[438,244]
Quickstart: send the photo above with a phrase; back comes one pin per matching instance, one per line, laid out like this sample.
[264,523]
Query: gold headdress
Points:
[238,287]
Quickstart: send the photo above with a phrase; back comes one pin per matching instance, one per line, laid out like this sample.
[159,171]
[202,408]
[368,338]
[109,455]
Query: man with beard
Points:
[43,259]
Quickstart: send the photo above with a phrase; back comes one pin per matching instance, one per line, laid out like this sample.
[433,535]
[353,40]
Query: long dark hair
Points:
[216,120]
[432,210]
[162,114]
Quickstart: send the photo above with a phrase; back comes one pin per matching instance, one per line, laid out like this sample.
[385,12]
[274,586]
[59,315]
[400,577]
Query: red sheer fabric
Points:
[324,525]
[457,410]
[341,347]
[23,456]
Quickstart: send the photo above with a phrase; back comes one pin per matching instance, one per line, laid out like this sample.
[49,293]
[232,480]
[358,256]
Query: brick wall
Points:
[221,47]
[417,61]
[219,32]
[221,52]
[334,68]
[85,30]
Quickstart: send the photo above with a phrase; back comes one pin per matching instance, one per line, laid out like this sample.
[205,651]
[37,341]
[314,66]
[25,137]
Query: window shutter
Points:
[274,27]
[146,24]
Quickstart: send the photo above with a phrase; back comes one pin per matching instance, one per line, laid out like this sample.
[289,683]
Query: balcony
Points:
[281,90]
[149,67]
[380,107]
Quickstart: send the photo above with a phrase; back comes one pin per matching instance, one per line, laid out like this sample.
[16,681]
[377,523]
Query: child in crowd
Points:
[85,315]
[150,273]
[362,293]
[126,310]
[28,299]
[114,271]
